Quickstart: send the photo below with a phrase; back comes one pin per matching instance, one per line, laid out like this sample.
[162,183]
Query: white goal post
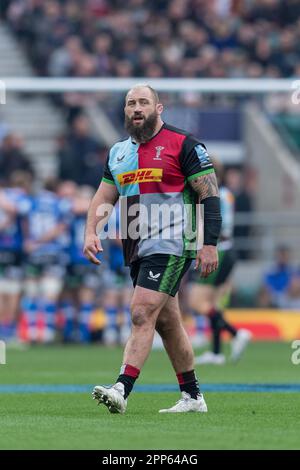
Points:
[201,85]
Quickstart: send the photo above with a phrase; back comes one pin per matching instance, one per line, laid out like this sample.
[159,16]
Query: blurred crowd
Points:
[48,290]
[164,38]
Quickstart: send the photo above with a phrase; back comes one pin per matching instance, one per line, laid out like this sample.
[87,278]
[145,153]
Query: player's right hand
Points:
[92,246]
[207,260]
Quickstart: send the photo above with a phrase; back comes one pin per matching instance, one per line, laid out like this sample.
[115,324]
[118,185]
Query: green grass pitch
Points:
[236,420]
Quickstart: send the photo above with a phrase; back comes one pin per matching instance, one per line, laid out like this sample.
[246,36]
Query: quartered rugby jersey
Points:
[158,206]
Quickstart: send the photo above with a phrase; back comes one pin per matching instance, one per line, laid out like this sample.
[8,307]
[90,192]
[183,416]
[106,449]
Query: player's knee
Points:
[142,314]
[163,326]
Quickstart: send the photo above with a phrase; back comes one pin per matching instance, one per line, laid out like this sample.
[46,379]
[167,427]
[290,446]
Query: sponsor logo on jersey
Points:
[145,175]
[120,159]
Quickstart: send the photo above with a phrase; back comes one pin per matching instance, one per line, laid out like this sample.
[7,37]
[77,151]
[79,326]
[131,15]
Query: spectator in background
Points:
[94,168]
[236,182]
[13,157]
[81,157]
[64,58]
[290,299]
[277,281]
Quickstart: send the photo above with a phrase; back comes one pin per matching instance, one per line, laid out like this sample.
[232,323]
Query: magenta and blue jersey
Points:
[156,174]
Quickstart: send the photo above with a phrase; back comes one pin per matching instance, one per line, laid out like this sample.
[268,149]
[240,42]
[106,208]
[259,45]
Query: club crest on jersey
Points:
[158,149]
[145,175]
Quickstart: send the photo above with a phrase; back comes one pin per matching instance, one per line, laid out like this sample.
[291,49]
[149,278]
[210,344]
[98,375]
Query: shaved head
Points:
[144,87]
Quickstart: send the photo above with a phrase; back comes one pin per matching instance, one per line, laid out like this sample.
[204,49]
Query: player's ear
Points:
[159,108]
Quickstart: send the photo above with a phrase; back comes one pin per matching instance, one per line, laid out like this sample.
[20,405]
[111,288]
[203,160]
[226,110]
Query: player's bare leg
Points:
[176,342]
[179,349]
[145,308]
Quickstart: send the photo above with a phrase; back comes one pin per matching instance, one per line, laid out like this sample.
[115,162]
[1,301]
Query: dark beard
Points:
[144,132]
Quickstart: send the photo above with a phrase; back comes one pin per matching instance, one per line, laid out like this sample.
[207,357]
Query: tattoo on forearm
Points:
[205,186]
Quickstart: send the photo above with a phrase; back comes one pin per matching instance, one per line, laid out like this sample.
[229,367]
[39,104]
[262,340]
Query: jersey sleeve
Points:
[194,159]
[107,175]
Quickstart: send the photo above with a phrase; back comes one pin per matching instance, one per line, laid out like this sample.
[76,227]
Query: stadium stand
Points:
[193,38]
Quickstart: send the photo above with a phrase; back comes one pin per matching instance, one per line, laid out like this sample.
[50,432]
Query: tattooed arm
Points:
[206,187]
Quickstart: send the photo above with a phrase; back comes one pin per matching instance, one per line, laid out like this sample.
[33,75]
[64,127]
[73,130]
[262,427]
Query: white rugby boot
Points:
[111,397]
[209,357]
[239,344]
[187,404]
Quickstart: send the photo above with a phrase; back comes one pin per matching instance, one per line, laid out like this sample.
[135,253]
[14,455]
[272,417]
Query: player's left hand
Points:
[207,260]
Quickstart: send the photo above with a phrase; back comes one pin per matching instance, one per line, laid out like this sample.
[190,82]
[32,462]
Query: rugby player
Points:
[158,165]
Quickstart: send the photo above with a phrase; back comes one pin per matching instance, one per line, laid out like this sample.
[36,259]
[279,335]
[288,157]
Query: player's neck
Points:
[158,127]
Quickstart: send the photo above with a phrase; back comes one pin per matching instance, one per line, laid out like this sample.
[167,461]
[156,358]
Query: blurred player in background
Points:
[46,241]
[118,290]
[210,296]
[157,164]
[13,205]
[83,282]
